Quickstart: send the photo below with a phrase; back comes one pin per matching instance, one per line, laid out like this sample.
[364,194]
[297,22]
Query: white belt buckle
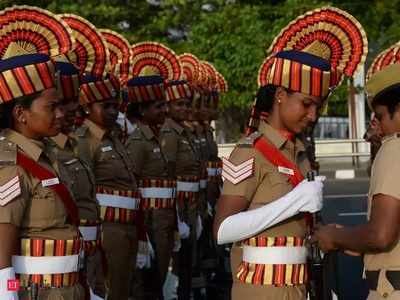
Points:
[275,255]
[45,264]
[89,233]
[157,192]
[186,186]
[118,201]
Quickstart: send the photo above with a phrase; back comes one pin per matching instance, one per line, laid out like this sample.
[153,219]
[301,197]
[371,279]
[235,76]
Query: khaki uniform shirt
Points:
[385,180]
[104,152]
[177,147]
[265,185]
[37,211]
[75,173]
[145,151]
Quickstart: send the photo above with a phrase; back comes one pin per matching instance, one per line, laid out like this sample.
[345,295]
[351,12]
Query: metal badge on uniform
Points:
[106,149]
[156,150]
[286,171]
[50,182]
[185,142]
[70,162]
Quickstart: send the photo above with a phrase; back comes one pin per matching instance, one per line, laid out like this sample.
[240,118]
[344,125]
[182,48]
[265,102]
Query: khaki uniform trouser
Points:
[120,246]
[95,273]
[242,290]
[185,259]
[75,292]
[148,283]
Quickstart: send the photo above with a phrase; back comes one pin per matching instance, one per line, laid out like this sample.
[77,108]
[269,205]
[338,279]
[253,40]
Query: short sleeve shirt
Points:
[144,148]
[36,210]
[385,180]
[266,183]
[76,174]
[110,161]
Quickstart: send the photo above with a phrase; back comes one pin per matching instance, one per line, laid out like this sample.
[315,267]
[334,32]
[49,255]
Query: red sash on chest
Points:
[274,156]
[43,174]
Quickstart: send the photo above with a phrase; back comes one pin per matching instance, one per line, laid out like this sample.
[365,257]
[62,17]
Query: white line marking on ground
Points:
[345,174]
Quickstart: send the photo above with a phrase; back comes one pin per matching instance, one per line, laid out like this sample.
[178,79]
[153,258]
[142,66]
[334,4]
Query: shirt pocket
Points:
[278,185]
[80,183]
[43,208]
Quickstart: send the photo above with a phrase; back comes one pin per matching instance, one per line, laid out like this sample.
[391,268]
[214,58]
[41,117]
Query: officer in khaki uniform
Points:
[264,198]
[39,238]
[76,174]
[183,162]
[378,239]
[157,186]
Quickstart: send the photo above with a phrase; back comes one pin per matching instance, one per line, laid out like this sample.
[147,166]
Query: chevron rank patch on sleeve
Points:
[237,173]
[10,190]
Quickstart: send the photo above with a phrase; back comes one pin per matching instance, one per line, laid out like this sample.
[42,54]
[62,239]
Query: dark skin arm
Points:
[228,205]
[8,242]
[380,233]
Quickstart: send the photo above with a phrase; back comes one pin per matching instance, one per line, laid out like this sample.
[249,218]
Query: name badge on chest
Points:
[156,150]
[285,170]
[50,182]
[106,149]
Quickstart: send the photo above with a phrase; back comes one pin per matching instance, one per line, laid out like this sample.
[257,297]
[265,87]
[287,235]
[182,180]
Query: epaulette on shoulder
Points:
[81,131]
[249,140]
[136,134]
[8,152]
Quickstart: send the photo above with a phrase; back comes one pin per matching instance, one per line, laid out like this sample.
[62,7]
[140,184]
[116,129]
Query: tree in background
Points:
[232,34]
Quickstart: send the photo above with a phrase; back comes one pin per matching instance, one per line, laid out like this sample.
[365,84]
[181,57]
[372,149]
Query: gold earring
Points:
[23,121]
[279,101]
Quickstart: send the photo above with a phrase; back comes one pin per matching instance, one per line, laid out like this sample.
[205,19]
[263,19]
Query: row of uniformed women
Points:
[55,176]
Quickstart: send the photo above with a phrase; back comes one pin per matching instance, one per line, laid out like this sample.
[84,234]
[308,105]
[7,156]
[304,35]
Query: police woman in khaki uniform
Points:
[183,163]
[76,174]
[39,241]
[265,194]
[378,239]
[157,186]
[100,147]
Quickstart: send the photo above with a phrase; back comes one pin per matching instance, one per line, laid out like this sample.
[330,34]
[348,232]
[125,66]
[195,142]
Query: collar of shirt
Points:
[390,137]
[32,148]
[278,140]
[97,131]
[60,140]
[174,125]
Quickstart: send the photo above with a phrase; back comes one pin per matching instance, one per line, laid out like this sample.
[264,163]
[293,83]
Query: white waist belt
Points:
[212,171]
[275,255]
[157,192]
[203,183]
[186,186]
[89,233]
[45,264]
[118,201]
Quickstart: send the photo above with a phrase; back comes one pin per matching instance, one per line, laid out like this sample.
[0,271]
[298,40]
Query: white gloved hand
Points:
[144,254]
[209,209]
[184,229]
[311,195]
[177,244]
[125,124]
[199,227]
[305,197]
[6,275]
